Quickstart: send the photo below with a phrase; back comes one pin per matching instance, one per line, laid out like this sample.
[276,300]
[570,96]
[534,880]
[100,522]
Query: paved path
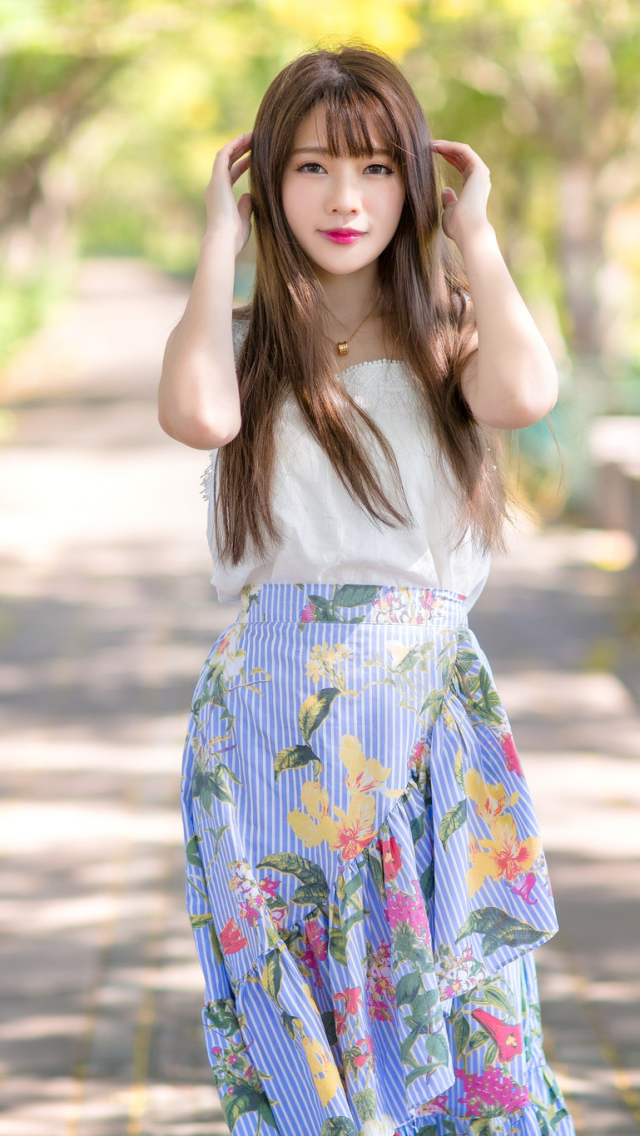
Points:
[105,618]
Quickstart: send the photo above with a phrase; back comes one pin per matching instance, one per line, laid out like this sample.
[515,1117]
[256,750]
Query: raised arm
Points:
[513,381]
[198,400]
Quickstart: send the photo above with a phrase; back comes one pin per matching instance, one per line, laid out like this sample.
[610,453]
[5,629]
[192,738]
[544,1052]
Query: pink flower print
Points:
[435,1107]
[419,755]
[352,998]
[341,1022]
[224,644]
[231,938]
[381,991]
[316,936]
[525,889]
[507,745]
[391,857]
[268,886]
[278,916]
[491,1093]
[216,1051]
[409,909]
[308,614]
[507,1038]
[365,1046]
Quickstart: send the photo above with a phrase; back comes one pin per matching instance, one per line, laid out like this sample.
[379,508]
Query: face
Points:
[343,211]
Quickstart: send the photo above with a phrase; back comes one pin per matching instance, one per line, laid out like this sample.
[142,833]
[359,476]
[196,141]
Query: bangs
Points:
[351,117]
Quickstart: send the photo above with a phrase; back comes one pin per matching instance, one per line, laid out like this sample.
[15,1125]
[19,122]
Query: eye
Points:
[382,171]
[312,166]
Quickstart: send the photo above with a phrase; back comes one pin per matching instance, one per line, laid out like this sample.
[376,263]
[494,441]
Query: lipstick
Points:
[342,236]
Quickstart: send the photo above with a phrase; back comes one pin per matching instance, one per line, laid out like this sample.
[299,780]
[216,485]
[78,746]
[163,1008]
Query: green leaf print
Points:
[314,710]
[433,704]
[420,1071]
[192,853]
[458,770]
[452,821]
[427,880]
[337,946]
[479,1038]
[220,786]
[353,595]
[494,996]
[295,757]
[499,929]
[437,1047]
[290,864]
[217,833]
[322,610]
[309,894]
[375,863]
[338,1126]
[461,1034]
[408,987]
[491,1054]
[244,1099]
[408,661]
[220,1015]
[418,827]
[198,921]
[465,660]
[365,1104]
[271,977]
[428,1130]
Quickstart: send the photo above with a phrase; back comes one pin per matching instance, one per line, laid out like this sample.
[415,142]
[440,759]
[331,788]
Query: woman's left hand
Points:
[468,212]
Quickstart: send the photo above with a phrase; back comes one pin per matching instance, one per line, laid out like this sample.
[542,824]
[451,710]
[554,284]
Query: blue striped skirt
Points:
[365,877]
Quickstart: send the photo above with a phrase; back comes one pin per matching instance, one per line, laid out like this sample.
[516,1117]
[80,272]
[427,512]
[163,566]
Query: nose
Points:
[344,194]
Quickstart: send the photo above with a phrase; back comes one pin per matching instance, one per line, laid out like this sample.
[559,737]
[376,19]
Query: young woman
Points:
[366,881]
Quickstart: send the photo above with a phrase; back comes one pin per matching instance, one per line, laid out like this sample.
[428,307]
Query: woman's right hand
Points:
[223,213]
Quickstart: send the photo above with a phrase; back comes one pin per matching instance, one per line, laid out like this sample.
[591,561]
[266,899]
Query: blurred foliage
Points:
[111,112]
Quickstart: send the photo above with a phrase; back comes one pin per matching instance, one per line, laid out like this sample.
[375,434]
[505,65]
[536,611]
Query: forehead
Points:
[335,132]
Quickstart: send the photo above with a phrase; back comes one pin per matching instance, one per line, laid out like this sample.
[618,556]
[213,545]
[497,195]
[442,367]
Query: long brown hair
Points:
[423,308]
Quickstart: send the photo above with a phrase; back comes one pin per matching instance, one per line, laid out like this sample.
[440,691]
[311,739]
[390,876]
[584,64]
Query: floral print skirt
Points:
[365,877]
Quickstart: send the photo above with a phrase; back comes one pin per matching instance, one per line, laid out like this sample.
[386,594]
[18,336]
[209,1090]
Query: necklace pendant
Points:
[343,348]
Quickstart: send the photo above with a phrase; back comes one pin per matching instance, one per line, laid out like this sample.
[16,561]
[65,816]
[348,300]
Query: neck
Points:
[350,297]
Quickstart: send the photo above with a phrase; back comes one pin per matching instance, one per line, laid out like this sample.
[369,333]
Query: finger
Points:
[458,154]
[233,149]
[239,168]
[449,196]
[245,206]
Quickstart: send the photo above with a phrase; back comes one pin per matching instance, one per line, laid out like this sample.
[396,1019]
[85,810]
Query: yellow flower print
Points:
[314,825]
[504,857]
[315,670]
[363,773]
[355,829]
[350,833]
[326,662]
[323,1069]
[490,800]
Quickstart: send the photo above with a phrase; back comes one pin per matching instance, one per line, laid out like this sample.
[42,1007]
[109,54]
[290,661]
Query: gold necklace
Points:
[342,346]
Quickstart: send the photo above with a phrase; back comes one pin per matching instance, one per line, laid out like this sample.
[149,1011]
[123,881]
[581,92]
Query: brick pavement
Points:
[105,618]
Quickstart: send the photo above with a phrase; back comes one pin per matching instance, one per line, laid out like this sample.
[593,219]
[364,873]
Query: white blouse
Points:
[329,539]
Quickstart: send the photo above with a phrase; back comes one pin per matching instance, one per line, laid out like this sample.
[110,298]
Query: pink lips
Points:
[342,236]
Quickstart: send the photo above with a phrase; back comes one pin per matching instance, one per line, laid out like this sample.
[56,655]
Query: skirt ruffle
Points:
[365,875]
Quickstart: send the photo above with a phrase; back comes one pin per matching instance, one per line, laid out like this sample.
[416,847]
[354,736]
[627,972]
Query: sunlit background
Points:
[111,112]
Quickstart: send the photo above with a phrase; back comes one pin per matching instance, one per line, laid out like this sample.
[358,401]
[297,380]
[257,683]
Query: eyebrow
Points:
[323,150]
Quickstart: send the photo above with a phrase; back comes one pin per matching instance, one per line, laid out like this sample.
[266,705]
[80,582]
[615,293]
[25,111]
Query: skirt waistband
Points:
[352,603]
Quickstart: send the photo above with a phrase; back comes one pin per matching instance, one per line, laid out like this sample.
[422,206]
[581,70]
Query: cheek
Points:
[295,202]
